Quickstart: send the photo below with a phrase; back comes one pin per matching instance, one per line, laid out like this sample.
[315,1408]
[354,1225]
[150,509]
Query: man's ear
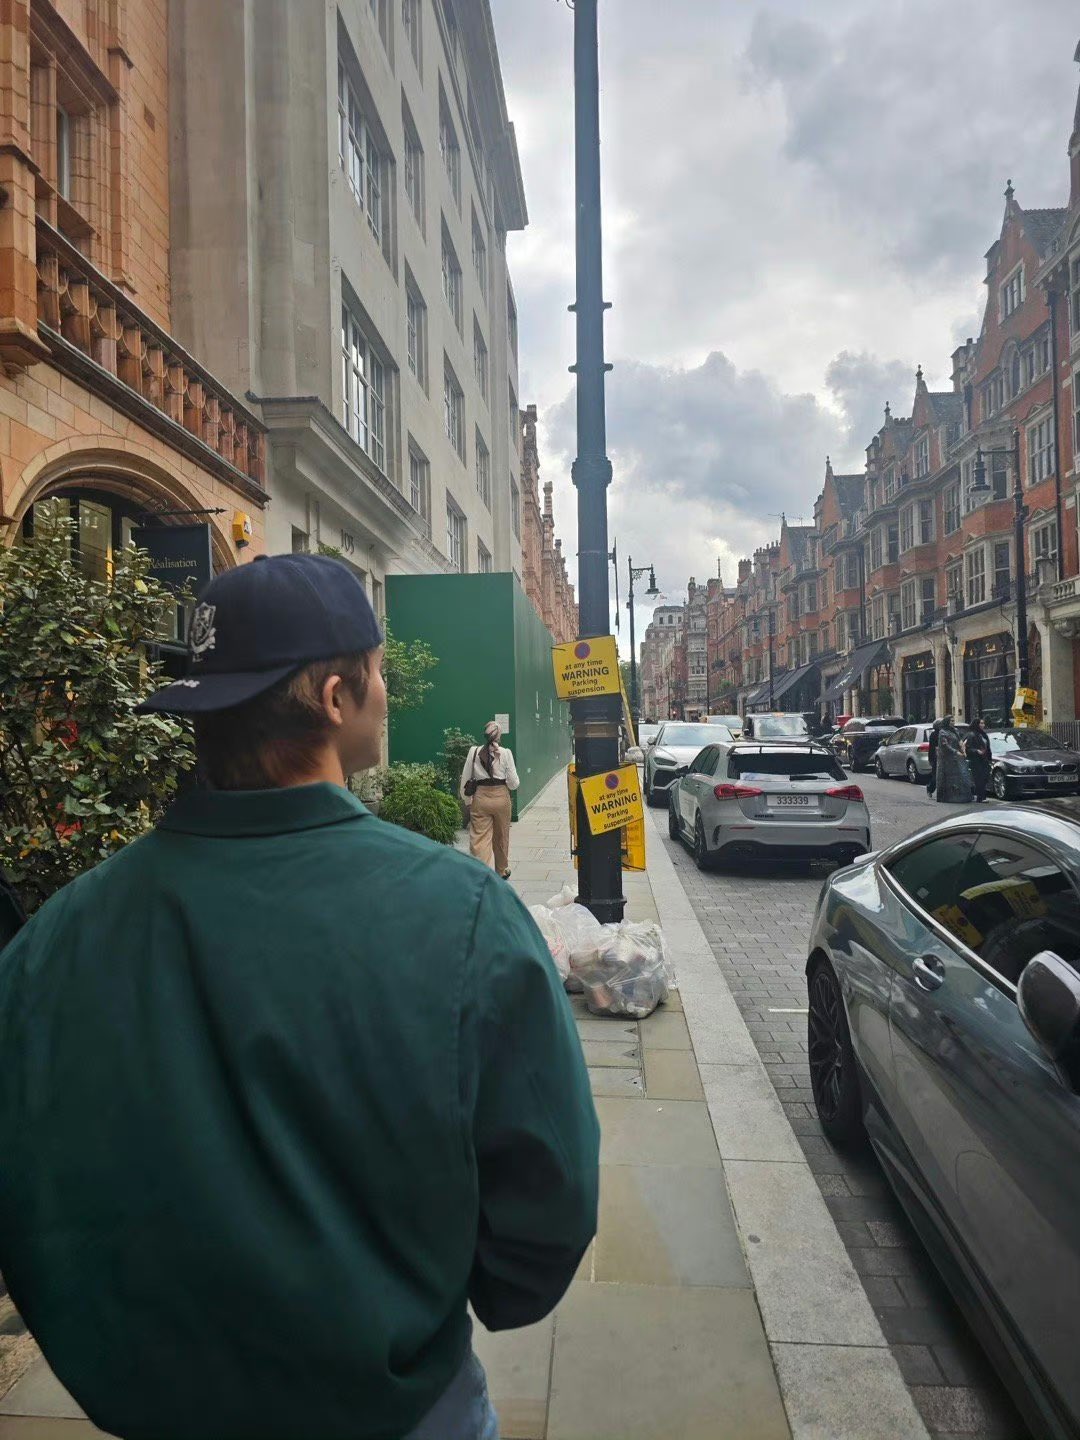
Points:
[331,698]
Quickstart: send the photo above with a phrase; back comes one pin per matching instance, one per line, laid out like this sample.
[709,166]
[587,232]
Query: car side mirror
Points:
[635,755]
[1048,998]
[681,771]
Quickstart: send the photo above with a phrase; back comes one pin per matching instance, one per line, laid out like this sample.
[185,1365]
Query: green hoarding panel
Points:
[494,659]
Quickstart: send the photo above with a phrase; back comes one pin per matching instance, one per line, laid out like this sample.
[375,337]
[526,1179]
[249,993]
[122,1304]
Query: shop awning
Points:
[792,679]
[760,696]
[861,660]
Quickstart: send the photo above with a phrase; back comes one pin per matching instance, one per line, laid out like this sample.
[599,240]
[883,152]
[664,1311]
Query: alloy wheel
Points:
[880,769]
[912,772]
[826,1045]
[1001,788]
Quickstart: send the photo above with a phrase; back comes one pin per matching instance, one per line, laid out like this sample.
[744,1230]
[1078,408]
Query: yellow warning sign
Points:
[612,799]
[1027,708]
[633,850]
[633,836]
[585,668]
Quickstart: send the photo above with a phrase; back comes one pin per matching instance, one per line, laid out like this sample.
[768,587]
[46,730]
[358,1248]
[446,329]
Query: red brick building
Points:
[104,416]
[544,574]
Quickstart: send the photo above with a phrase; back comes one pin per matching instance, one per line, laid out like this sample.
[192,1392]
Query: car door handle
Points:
[929,973]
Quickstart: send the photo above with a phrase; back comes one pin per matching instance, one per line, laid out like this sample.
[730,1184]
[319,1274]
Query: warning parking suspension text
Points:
[612,799]
[586,668]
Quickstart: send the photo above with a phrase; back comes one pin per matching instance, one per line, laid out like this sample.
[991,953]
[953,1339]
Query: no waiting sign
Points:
[612,799]
[584,668]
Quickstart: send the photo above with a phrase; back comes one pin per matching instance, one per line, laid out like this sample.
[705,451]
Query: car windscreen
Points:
[688,735]
[731,721]
[777,727]
[794,764]
[1007,740]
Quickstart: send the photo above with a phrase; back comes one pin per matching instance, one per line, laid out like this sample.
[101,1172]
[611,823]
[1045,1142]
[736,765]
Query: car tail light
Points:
[845,792]
[924,748]
[736,792]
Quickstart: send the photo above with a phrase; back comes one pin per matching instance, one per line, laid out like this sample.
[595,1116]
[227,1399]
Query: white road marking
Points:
[779,1010]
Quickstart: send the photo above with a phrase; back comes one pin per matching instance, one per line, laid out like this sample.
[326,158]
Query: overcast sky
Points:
[798,198]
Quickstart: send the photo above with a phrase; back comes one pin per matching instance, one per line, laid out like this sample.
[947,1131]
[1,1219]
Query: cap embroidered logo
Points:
[203,635]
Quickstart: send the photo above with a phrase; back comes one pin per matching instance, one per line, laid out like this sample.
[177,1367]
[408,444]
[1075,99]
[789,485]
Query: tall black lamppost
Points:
[772,636]
[636,572]
[596,722]
[980,487]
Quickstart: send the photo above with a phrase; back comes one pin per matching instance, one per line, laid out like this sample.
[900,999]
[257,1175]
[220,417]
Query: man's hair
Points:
[268,741]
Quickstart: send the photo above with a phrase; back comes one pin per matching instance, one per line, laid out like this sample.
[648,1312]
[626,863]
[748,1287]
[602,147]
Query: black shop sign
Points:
[179,554]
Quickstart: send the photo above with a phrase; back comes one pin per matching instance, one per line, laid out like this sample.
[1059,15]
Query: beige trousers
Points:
[489,825]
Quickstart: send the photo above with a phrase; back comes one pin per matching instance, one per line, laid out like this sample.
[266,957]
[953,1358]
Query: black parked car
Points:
[857,743]
[1030,763]
[944,1023]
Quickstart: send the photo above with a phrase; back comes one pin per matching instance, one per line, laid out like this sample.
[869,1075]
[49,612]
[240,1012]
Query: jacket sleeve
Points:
[534,1129]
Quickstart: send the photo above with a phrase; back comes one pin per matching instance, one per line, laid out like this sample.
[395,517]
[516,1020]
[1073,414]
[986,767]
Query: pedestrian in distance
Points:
[286,1087]
[487,783]
[935,731]
[977,750]
[953,776]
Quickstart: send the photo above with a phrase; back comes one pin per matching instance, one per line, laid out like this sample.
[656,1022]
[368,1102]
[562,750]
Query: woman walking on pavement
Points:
[953,775]
[977,750]
[487,781]
[931,783]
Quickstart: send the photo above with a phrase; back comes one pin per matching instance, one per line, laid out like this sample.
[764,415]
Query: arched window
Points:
[1011,367]
[101,526]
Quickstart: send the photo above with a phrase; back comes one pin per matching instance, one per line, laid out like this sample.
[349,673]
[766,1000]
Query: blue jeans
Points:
[463,1411]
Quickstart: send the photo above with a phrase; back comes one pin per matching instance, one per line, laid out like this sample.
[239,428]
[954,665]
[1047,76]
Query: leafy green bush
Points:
[401,774]
[80,773]
[415,804]
[455,751]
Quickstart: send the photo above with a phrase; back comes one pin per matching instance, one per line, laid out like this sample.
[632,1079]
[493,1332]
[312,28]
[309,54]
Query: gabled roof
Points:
[850,493]
[797,536]
[946,405]
[1042,227]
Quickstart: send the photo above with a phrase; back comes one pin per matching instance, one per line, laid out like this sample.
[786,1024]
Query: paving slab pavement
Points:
[717,1266]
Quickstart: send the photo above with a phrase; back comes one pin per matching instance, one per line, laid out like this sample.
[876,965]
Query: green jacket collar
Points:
[235,813]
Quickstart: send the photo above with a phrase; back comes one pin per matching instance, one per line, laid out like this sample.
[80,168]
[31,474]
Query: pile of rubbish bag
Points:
[622,969]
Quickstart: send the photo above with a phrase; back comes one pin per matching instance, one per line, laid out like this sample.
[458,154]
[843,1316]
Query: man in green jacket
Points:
[285,1087]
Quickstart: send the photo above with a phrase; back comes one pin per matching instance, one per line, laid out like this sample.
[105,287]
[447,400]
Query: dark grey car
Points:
[1029,763]
[945,1023]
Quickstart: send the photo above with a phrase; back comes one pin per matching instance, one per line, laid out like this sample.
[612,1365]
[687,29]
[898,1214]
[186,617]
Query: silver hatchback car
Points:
[907,752]
[775,801]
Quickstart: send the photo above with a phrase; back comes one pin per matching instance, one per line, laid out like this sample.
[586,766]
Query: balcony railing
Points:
[78,303]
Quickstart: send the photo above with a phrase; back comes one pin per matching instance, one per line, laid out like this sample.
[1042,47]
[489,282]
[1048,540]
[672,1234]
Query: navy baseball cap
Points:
[257,624]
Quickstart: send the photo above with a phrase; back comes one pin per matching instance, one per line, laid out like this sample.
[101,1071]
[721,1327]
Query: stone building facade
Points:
[662,642]
[543,565]
[105,415]
[902,596]
[344,180]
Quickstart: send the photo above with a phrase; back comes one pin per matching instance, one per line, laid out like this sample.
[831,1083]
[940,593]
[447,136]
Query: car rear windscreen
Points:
[796,764]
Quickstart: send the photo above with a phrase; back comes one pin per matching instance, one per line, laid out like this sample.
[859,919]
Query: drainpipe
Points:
[1051,301]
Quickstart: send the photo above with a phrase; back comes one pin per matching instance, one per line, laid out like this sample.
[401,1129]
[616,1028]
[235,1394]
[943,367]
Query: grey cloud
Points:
[862,385]
[916,123]
[706,458]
